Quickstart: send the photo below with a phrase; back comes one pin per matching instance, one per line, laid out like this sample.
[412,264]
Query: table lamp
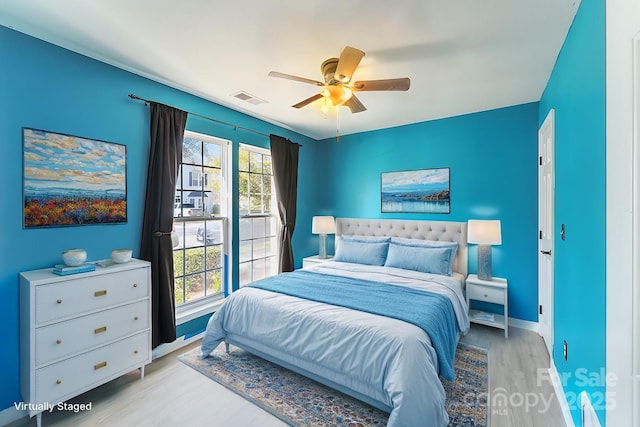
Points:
[484,233]
[323,225]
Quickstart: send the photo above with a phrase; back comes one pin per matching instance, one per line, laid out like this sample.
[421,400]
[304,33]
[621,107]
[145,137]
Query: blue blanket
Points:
[432,312]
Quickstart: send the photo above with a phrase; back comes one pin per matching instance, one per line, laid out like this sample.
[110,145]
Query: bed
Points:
[363,324]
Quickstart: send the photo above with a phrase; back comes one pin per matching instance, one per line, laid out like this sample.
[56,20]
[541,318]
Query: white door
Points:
[546,190]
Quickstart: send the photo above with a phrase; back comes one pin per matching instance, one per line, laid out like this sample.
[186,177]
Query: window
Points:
[258,222]
[199,219]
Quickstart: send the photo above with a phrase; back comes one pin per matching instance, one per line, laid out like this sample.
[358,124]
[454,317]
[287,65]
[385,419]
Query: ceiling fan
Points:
[338,90]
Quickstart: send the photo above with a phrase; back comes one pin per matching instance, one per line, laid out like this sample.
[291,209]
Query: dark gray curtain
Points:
[167,132]
[284,157]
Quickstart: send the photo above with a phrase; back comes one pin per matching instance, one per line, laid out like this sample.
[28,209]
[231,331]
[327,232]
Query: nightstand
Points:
[314,260]
[494,291]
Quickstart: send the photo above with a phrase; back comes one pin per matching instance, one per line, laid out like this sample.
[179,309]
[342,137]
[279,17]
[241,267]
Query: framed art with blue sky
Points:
[70,180]
[417,191]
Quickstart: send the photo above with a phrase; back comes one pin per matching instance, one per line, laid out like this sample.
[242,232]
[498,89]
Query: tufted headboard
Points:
[412,229]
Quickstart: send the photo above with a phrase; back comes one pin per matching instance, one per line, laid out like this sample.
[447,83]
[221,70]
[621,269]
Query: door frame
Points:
[545,289]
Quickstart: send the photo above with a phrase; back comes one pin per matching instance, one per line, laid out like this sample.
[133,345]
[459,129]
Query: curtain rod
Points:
[235,127]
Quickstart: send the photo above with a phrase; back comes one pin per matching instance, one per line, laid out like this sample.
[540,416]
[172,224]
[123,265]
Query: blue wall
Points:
[576,90]
[46,87]
[492,158]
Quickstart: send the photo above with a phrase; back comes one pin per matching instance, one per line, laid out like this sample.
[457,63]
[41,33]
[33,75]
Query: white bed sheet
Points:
[388,360]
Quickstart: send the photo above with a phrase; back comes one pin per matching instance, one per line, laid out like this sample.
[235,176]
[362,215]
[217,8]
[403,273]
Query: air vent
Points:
[247,97]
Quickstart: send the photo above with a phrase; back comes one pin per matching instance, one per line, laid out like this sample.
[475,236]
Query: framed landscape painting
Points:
[69,180]
[419,191]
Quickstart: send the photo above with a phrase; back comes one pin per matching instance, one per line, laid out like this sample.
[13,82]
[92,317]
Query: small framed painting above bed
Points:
[416,191]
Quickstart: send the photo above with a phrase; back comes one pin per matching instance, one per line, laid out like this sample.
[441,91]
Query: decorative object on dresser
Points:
[495,291]
[74,257]
[314,260]
[323,225]
[78,332]
[484,233]
[120,256]
[86,180]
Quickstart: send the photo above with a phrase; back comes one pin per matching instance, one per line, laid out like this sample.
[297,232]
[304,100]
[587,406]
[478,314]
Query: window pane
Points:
[271,248]
[192,151]
[272,266]
[179,231]
[243,160]
[259,248]
[193,234]
[255,162]
[212,154]
[256,203]
[271,226]
[214,282]
[245,228]
[266,165]
[212,191]
[194,286]
[245,273]
[259,227]
[245,250]
[193,260]
[259,269]
[178,290]
[213,257]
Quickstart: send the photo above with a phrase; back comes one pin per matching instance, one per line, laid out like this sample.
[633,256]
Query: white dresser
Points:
[82,330]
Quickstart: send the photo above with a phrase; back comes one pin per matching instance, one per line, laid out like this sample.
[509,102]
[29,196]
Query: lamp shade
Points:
[484,232]
[323,225]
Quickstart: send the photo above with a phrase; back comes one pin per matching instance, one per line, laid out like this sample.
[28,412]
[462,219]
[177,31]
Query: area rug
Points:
[299,401]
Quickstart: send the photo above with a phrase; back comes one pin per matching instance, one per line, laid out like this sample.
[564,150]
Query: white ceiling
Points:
[462,56]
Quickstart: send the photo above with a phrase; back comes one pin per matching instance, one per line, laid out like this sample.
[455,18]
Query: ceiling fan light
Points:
[347,93]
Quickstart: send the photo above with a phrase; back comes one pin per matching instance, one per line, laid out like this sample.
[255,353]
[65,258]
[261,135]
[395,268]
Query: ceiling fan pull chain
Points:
[337,124]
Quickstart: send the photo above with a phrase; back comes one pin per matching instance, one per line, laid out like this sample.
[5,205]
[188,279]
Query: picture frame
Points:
[71,180]
[416,191]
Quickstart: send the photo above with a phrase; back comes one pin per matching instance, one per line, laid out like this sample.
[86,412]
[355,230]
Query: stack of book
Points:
[63,270]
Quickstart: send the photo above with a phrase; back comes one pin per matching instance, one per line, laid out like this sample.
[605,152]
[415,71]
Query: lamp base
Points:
[322,249]
[484,262]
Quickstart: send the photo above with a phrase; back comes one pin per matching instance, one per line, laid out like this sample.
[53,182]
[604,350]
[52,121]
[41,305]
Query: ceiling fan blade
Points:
[355,105]
[295,78]
[387,84]
[350,57]
[307,101]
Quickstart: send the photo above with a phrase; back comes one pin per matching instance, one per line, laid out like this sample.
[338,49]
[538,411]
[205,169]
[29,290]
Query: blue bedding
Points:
[431,312]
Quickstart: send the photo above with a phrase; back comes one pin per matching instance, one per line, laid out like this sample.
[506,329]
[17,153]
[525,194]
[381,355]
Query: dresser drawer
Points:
[72,297]
[486,293]
[55,382]
[83,333]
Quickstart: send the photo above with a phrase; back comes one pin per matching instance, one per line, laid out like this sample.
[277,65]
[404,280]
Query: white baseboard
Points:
[10,415]
[523,324]
[562,398]
[164,349]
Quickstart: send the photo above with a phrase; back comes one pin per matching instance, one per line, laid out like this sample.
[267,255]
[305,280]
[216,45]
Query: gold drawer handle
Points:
[58,381]
[100,365]
[100,293]
[58,341]
[100,330]
[59,301]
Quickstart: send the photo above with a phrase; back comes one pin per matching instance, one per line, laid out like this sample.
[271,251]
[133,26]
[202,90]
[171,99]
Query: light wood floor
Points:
[173,394]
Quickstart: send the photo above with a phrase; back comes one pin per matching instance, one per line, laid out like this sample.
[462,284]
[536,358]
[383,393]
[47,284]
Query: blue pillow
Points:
[370,253]
[420,258]
[429,244]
